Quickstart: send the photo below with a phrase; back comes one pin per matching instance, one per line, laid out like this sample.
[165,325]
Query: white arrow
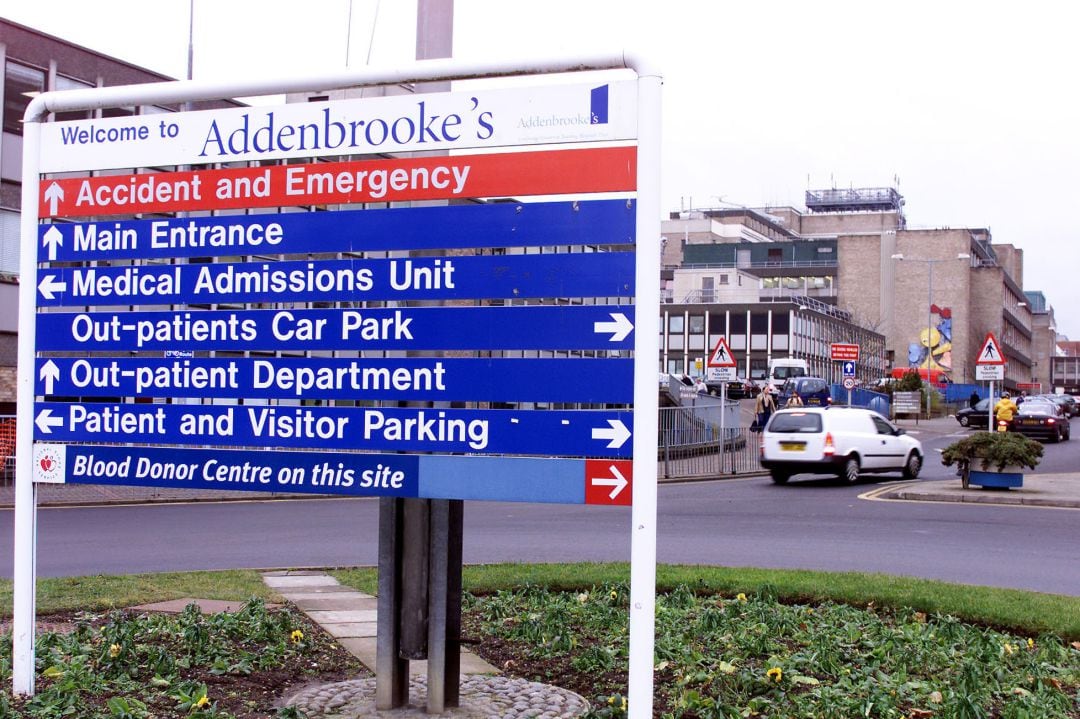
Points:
[617,433]
[620,328]
[48,285]
[52,239]
[618,482]
[49,374]
[45,421]
[53,195]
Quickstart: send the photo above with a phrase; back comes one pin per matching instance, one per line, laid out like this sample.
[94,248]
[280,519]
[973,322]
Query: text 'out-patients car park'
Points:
[842,441]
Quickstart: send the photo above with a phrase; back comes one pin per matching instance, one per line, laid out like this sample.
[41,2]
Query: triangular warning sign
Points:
[990,352]
[721,356]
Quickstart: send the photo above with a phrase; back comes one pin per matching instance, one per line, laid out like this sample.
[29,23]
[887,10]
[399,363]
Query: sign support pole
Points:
[647,321]
[990,419]
[25,564]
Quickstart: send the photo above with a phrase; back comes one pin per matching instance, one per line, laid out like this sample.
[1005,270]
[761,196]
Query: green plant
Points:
[993,449]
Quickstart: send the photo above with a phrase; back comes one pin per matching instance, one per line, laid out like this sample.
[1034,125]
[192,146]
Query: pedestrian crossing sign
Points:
[990,354]
[721,355]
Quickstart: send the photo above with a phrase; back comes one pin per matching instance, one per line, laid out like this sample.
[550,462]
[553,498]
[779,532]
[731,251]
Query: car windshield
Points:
[789,422]
[1036,407]
[788,372]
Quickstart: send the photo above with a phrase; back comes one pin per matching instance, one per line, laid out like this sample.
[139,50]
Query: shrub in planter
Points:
[994,451]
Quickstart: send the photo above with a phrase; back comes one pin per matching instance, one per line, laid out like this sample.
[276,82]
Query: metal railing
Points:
[7,450]
[690,444]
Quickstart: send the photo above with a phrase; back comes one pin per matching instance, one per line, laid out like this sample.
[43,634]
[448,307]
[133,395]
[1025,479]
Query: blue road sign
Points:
[600,381]
[414,328]
[504,479]
[849,368]
[605,274]
[594,222]
[595,433]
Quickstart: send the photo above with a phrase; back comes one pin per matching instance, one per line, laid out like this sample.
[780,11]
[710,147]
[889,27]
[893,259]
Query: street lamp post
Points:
[930,306]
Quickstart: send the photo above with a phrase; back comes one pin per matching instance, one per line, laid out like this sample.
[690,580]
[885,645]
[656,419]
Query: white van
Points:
[783,369]
[842,441]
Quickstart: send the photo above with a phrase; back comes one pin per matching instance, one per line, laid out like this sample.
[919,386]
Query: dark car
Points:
[1066,401]
[977,416]
[1041,420]
[814,391]
[738,388]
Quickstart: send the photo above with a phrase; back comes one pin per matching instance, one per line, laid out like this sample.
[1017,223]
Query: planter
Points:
[993,459]
[1010,477]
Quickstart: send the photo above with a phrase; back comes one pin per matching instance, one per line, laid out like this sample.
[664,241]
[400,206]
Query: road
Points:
[808,524]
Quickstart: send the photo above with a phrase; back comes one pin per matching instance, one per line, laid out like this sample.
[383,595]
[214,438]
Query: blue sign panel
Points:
[599,381]
[607,274]
[393,475]
[507,479]
[414,328]
[849,369]
[595,433]
[597,222]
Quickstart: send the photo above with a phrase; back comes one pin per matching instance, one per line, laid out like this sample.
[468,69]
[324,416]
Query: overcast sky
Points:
[973,106]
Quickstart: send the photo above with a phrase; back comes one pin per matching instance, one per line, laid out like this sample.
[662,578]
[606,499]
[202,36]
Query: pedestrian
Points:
[1005,409]
[973,399]
[794,400]
[700,386]
[1021,398]
[764,406]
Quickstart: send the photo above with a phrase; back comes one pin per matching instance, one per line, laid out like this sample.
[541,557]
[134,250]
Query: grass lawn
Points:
[729,643]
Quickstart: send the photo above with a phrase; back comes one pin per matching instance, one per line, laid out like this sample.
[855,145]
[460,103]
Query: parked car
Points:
[1066,401]
[738,388]
[1041,420]
[844,441]
[977,416]
[814,391]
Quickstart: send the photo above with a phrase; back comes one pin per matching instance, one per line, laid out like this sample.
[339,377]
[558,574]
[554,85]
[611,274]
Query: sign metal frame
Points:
[649,82]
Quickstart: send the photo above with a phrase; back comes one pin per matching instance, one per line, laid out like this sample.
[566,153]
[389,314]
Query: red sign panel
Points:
[610,169]
[844,352]
[609,481]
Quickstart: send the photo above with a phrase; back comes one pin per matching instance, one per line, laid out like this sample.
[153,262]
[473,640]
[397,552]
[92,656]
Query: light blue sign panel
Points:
[607,274]
[593,381]
[581,433]
[543,224]
[413,328]
[507,479]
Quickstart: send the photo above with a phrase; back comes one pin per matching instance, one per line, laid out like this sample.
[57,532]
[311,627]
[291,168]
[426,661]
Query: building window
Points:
[723,279]
[126,111]
[21,83]
[9,241]
[67,83]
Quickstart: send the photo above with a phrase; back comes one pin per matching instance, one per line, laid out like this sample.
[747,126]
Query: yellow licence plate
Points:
[793,446]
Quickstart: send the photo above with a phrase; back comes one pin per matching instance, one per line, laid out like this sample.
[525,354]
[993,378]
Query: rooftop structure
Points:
[862,199]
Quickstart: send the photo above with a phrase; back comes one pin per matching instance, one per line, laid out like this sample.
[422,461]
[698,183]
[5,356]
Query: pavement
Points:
[1039,489]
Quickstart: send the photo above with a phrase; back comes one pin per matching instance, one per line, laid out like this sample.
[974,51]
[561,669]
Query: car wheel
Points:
[965,421]
[779,477]
[851,470]
[912,466]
